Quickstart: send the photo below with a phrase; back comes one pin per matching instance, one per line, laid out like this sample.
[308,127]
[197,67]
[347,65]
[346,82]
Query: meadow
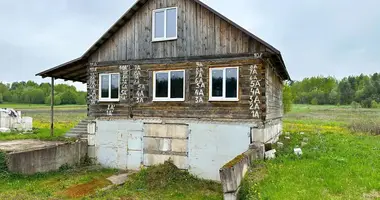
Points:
[341,157]
[65,118]
[341,160]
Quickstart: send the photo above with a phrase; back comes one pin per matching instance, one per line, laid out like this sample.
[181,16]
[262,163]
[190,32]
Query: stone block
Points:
[179,145]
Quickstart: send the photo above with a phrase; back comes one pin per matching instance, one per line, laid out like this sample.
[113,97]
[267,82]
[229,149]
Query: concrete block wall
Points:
[166,141]
[232,173]
[200,147]
[269,133]
[46,159]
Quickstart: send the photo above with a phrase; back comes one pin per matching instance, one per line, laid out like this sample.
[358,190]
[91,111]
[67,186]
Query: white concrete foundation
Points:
[200,147]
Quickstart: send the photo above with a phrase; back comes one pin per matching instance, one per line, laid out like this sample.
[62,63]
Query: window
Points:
[109,87]
[165,24]
[169,86]
[224,84]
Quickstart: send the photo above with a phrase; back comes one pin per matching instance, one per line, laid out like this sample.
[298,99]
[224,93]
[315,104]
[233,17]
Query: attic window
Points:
[164,24]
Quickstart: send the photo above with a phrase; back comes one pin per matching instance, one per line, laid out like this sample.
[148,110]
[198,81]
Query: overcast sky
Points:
[316,37]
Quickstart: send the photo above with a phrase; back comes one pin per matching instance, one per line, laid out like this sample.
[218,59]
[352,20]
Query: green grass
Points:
[164,181]
[65,118]
[54,185]
[337,163]
[41,106]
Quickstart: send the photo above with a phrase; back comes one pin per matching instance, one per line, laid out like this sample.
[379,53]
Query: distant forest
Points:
[33,93]
[360,90]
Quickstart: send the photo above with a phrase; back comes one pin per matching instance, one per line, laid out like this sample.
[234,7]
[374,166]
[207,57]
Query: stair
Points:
[80,130]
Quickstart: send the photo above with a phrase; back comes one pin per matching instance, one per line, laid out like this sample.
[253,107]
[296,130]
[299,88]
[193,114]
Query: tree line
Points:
[32,93]
[362,90]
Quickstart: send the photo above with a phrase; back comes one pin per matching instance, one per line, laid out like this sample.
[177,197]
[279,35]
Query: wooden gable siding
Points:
[274,86]
[200,32]
[195,106]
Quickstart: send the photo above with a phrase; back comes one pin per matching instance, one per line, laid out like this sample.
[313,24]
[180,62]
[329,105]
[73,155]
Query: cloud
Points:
[316,37]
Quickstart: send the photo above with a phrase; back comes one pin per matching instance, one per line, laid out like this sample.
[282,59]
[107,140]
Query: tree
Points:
[1,98]
[287,98]
[68,97]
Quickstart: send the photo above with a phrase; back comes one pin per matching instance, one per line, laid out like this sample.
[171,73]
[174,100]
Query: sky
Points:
[316,37]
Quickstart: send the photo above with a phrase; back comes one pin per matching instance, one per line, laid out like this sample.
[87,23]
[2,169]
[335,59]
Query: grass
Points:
[41,106]
[164,181]
[54,185]
[337,163]
[65,118]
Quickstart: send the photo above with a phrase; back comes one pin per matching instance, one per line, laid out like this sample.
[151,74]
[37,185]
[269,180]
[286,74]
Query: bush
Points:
[287,99]
[355,105]
[314,101]
[374,104]
[1,98]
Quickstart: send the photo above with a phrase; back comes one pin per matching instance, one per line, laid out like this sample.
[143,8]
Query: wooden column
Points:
[52,108]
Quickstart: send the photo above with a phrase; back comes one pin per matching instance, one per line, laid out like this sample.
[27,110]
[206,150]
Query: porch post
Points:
[52,108]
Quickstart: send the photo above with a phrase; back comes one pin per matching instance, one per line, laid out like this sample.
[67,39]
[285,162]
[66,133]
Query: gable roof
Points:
[127,16]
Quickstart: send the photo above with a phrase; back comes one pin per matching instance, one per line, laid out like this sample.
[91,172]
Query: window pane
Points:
[162,84]
[176,87]
[231,83]
[114,86]
[171,26]
[159,24]
[105,86]
[217,83]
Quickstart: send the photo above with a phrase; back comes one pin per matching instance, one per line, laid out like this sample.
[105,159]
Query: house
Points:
[174,79]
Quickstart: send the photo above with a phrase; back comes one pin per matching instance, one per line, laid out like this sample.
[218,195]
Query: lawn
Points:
[337,162]
[65,118]
[340,160]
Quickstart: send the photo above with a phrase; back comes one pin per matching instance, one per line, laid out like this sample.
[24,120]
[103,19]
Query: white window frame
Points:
[109,99]
[169,86]
[154,39]
[223,98]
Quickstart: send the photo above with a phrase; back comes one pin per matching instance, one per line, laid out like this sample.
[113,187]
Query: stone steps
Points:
[80,130]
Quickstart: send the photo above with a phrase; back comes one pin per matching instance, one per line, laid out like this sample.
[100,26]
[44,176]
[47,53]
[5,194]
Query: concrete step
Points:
[78,132]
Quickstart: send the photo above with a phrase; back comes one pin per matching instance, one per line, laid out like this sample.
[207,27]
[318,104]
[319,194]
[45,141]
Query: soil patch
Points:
[86,189]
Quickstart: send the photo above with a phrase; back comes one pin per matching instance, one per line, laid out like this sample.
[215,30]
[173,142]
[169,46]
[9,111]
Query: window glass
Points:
[176,87]
[162,84]
[231,82]
[159,19]
[171,26]
[104,86]
[217,83]
[115,86]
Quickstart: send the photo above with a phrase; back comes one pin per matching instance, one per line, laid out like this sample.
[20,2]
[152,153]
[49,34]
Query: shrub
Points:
[355,105]
[374,104]
[366,126]
[314,101]
[287,99]
[1,98]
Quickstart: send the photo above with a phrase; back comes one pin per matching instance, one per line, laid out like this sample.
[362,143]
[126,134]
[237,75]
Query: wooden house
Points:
[174,79]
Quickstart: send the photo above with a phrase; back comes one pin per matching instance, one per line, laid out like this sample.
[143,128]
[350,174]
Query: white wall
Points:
[209,145]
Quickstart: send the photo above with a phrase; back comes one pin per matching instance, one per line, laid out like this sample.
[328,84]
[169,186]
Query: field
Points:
[341,160]
[65,118]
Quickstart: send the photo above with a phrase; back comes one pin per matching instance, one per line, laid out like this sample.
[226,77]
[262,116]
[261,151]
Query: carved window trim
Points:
[223,98]
[108,99]
[159,39]
[169,86]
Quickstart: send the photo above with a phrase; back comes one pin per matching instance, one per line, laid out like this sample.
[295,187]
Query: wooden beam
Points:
[52,108]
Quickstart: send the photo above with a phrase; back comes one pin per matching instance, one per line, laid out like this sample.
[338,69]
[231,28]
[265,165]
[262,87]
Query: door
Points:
[134,149]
